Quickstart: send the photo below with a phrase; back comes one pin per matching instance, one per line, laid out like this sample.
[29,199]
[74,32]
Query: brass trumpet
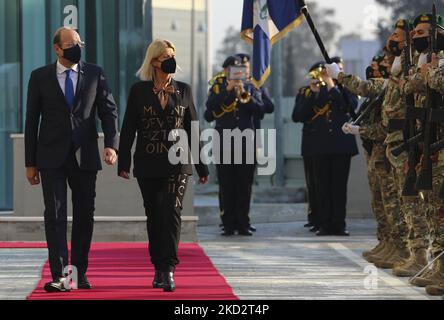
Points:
[316,75]
[242,96]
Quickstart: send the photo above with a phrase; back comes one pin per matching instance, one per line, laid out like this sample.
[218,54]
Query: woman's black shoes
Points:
[168,282]
[158,281]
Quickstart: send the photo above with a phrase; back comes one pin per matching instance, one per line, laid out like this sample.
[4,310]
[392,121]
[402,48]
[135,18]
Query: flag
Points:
[265,22]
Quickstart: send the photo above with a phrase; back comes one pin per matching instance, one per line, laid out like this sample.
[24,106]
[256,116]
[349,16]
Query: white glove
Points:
[333,70]
[354,130]
[345,128]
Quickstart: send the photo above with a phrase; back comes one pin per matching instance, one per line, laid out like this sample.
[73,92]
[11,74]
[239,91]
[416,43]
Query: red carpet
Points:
[122,271]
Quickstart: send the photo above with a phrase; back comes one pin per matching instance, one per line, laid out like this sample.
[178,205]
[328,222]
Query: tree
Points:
[401,9]
[231,45]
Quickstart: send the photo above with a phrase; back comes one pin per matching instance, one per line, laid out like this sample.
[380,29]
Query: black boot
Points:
[168,281]
[158,281]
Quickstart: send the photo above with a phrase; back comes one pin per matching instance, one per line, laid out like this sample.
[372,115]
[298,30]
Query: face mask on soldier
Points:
[369,73]
[383,70]
[421,44]
[393,47]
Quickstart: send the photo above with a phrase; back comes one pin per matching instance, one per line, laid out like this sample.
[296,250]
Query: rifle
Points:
[424,180]
[410,124]
[367,108]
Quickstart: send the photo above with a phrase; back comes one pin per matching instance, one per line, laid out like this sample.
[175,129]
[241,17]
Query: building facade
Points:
[185,23]
[116,33]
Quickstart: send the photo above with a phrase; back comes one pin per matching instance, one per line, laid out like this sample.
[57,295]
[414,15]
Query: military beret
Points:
[401,23]
[337,60]
[317,65]
[427,18]
[243,57]
[231,61]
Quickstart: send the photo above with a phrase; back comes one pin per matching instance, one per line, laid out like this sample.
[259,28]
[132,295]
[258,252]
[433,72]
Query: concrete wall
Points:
[115,196]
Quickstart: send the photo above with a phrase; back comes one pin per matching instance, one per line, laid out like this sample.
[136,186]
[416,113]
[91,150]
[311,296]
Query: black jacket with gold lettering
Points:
[144,115]
[323,115]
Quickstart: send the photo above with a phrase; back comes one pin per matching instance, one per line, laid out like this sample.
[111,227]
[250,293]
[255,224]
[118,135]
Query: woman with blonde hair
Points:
[158,105]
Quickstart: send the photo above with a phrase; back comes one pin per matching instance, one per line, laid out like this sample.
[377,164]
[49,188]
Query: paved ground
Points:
[285,261]
[282,261]
[20,271]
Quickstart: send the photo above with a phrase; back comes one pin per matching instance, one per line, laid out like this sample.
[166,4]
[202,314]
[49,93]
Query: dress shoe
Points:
[315,229]
[158,281]
[84,283]
[253,229]
[309,225]
[323,232]
[227,233]
[168,281]
[56,286]
[247,233]
[341,233]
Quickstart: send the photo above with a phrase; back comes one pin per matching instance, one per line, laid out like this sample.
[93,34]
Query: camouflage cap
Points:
[427,18]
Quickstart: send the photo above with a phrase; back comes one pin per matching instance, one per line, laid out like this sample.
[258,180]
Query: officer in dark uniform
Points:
[305,92]
[218,80]
[323,109]
[234,104]
[268,107]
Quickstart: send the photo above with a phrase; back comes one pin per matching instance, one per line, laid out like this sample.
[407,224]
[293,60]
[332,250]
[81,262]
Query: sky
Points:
[354,16]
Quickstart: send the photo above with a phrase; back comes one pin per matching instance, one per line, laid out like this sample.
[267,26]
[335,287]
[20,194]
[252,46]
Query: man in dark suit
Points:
[61,148]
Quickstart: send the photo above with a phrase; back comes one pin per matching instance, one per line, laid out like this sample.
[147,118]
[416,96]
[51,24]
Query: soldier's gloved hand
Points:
[333,70]
[345,128]
[354,130]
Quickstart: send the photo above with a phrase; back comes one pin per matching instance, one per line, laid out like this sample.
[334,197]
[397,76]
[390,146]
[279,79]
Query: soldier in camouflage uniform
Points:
[433,75]
[384,192]
[393,107]
[419,223]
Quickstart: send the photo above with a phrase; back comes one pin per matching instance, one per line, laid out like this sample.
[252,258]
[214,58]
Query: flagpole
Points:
[306,13]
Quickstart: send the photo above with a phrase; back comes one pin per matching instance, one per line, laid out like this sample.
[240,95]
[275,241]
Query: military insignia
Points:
[424,18]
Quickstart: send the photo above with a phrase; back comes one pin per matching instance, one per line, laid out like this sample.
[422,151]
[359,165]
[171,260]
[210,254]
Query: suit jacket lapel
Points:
[173,98]
[80,82]
[56,85]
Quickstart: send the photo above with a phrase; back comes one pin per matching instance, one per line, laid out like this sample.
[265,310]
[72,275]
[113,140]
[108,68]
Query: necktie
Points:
[69,89]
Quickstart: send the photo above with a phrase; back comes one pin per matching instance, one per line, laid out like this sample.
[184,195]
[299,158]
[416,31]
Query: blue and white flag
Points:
[264,22]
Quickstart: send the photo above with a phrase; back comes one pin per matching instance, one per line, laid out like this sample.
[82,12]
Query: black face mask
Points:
[393,47]
[369,72]
[73,54]
[440,42]
[383,70]
[421,44]
[169,66]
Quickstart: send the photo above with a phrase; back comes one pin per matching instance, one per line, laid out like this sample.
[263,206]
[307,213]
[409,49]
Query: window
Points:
[116,33]
[9,94]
